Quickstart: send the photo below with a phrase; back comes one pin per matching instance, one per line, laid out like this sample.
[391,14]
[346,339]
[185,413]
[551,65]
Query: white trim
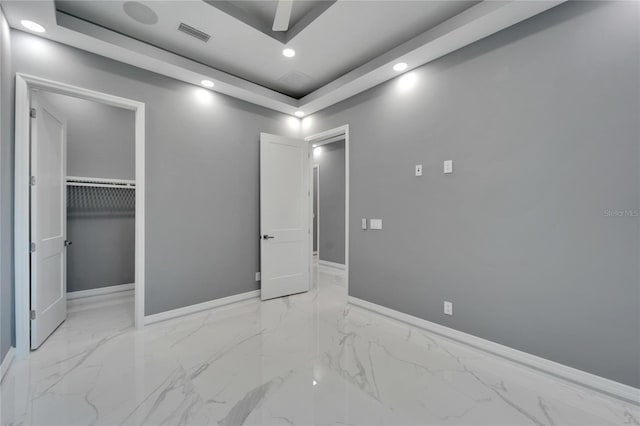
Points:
[331,265]
[24,84]
[6,363]
[337,138]
[316,195]
[318,138]
[21,219]
[600,384]
[199,307]
[81,294]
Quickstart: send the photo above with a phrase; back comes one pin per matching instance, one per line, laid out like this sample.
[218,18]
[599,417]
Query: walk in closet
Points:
[100,193]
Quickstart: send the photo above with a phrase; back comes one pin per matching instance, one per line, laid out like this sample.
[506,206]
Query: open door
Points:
[48,220]
[284,216]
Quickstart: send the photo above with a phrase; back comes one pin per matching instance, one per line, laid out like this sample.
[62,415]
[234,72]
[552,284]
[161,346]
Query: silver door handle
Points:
[267,237]
[67,243]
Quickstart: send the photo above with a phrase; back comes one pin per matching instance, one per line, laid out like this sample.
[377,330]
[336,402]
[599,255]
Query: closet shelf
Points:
[100,182]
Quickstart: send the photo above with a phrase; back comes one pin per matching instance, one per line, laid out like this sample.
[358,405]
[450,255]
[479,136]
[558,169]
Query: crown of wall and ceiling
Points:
[292,56]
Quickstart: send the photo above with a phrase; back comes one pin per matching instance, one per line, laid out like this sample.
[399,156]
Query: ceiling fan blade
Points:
[283,15]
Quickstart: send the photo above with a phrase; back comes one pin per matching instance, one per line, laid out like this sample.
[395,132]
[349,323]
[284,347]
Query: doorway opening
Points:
[286,213]
[79,208]
[330,199]
[315,193]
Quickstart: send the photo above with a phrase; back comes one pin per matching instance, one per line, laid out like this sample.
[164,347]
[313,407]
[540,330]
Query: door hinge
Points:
[32,113]
[32,247]
[32,314]
[32,181]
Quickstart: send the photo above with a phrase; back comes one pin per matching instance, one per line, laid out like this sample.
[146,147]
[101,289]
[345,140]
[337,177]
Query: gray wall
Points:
[100,143]
[331,159]
[100,138]
[6,185]
[202,172]
[542,122]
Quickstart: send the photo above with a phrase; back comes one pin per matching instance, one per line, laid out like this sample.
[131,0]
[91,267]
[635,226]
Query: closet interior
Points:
[100,197]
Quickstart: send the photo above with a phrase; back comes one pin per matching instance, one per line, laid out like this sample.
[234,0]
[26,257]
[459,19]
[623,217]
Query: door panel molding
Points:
[284,216]
[48,219]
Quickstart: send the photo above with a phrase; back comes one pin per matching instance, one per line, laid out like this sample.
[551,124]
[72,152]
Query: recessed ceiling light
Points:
[400,66]
[207,83]
[32,26]
[289,53]
[299,114]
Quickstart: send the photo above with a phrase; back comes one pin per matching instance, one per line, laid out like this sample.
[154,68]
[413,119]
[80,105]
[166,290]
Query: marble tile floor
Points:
[308,359]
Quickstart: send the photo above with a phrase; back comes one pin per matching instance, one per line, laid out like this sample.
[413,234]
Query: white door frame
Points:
[317,139]
[316,195]
[24,84]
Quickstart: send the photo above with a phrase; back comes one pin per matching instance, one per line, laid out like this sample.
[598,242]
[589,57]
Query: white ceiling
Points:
[347,35]
[343,47]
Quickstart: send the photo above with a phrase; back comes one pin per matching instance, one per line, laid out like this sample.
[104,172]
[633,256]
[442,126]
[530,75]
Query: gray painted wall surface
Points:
[332,191]
[6,185]
[542,123]
[100,143]
[202,173]
[102,253]
[100,138]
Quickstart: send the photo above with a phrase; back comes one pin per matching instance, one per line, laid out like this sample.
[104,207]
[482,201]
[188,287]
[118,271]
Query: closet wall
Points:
[100,143]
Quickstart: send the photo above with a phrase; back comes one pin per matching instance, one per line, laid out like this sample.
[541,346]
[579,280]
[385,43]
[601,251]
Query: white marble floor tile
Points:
[308,359]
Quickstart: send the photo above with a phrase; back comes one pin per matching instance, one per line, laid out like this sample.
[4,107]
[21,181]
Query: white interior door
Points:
[48,220]
[284,216]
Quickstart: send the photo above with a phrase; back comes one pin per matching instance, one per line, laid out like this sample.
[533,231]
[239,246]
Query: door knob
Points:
[67,243]
[267,237]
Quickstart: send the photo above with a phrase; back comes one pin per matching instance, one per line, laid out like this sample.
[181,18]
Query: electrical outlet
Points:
[364,223]
[418,169]
[258,277]
[448,308]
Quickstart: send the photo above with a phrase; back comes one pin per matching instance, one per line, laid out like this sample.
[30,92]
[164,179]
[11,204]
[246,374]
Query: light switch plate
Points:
[448,308]
[375,223]
[448,166]
[364,223]
[418,169]
[258,277]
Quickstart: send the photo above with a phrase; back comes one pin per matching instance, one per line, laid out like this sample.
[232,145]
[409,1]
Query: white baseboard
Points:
[188,310]
[333,265]
[99,291]
[600,384]
[6,363]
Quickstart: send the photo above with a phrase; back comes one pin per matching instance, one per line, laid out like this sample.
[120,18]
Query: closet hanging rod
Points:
[101,185]
[100,182]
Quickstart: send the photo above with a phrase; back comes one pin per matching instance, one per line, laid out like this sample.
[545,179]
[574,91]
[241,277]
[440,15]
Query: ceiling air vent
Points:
[193,32]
